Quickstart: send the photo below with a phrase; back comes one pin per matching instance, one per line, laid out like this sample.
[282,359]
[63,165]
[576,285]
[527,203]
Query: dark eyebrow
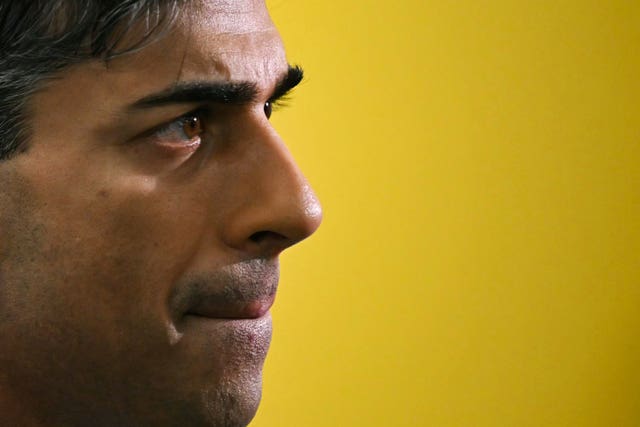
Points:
[233,93]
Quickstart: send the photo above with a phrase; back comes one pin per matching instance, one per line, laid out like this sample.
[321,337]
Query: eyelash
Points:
[167,131]
[281,102]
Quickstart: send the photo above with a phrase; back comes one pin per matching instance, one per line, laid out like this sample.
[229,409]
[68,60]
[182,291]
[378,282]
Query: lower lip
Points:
[253,329]
[248,340]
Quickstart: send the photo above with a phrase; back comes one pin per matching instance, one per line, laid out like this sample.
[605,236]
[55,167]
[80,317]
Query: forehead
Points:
[213,40]
[219,39]
[234,40]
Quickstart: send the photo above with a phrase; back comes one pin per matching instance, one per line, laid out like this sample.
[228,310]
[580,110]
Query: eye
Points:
[185,131]
[192,126]
[268,109]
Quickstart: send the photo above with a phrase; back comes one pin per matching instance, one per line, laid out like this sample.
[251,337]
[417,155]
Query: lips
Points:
[221,308]
[245,290]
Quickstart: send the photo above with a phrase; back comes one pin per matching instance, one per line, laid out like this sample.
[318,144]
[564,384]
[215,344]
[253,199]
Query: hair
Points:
[40,38]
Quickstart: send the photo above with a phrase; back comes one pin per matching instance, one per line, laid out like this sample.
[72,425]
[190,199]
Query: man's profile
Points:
[144,200]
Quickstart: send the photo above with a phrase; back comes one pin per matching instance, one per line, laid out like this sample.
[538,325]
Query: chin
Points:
[223,380]
[232,406]
[233,403]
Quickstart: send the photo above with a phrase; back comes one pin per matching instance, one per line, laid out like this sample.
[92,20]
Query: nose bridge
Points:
[279,208]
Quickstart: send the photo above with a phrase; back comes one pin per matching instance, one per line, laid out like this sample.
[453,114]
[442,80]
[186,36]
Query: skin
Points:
[136,273]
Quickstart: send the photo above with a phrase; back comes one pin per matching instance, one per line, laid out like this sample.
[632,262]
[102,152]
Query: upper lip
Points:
[240,291]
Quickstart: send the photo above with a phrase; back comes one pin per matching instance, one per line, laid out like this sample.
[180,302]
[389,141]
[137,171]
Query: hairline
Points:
[31,79]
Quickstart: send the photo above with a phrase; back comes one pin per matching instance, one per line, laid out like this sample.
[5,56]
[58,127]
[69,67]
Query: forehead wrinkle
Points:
[256,57]
[230,16]
[184,54]
[217,34]
[235,5]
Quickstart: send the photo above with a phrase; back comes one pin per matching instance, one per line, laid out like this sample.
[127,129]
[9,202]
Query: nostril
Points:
[272,237]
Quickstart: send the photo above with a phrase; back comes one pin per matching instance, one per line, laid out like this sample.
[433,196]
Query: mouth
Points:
[217,308]
[240,291]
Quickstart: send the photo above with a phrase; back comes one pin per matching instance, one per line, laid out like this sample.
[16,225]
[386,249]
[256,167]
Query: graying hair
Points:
[40,38]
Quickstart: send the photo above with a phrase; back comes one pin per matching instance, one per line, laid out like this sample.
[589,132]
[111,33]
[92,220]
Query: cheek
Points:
[100,247]
[136,235]
[110,246]
[86,275]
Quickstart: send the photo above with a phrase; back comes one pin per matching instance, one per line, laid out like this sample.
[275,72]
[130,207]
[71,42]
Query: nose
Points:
[275,206]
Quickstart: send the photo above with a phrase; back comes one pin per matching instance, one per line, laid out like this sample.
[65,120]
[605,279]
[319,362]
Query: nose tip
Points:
[312,210]
[302,219]
[278,207]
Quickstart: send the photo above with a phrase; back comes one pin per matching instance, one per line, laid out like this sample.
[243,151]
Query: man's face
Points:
[140,234]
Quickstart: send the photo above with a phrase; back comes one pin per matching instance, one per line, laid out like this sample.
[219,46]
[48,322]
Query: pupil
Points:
[192,127]
[268,109]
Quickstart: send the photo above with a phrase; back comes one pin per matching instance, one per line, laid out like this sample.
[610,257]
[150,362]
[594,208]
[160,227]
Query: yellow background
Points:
[479,261]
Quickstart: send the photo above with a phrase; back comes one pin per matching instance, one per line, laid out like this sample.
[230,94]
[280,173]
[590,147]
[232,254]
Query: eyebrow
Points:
[230,93]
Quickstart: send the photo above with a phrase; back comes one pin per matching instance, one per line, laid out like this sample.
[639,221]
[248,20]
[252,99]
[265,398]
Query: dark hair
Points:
[39,38]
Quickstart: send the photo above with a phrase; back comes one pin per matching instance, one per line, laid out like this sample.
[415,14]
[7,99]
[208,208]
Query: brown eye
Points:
[268,109]
[192,126]
[187,130]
